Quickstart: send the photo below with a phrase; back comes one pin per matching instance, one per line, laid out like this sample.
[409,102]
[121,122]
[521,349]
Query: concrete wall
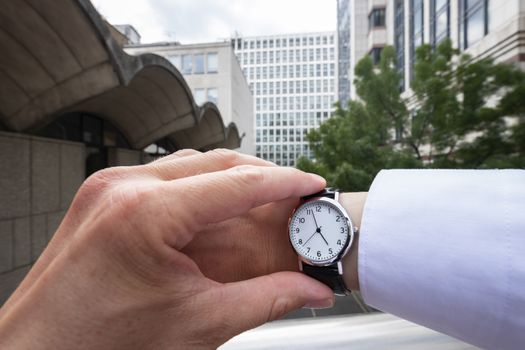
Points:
[38,179]
[124,157]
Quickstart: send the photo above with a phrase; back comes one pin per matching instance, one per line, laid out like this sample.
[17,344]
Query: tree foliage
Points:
[461,113]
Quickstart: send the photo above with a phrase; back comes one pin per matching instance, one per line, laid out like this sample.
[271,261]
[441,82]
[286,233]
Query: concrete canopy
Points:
[58,56]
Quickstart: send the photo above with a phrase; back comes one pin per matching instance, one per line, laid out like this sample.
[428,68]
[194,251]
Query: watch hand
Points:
[309,238]
[318,230]
[314,219]
[323,238]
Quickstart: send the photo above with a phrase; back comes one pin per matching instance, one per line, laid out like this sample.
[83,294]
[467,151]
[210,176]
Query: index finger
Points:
[218,196]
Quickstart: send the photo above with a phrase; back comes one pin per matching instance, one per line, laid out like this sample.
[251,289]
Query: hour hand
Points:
[323,238]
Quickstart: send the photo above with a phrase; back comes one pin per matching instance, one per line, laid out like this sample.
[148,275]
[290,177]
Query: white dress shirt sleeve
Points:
[446,249]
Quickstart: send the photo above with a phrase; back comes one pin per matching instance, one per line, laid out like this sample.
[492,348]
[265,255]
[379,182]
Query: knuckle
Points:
[249,175]
[98,183]
[185,152]
[278,308]
[130,198]
[226,156]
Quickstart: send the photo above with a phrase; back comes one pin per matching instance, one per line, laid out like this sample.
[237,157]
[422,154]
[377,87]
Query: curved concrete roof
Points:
[58,56]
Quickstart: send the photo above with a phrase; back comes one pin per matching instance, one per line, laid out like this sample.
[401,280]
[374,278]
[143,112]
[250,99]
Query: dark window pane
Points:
[377,18]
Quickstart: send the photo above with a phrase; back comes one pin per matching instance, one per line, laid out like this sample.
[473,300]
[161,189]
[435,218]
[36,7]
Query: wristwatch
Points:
[322,233]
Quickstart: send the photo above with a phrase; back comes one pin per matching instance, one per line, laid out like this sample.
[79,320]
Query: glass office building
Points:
[293,80]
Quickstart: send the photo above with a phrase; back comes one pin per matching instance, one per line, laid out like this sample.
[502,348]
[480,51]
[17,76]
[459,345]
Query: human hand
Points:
[125,268]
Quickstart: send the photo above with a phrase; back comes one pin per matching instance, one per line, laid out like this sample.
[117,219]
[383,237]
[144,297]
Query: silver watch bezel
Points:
[351,232]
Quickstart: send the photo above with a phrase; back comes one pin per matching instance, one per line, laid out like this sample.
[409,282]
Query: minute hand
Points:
[315,220]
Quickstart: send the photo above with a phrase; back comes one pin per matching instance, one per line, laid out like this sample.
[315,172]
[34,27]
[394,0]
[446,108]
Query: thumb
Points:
[248,304]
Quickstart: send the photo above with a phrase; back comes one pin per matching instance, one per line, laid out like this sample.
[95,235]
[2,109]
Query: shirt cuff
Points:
[444,249]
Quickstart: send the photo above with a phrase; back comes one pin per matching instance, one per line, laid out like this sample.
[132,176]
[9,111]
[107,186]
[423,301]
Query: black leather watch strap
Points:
[327,192]
[328,275]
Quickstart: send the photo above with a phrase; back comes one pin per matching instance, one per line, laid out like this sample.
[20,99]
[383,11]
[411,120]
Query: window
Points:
[474,21]
[439,21]
[213,63]
[416,31]
[376,19]
[199,64]
[187,64]
[213,95]
[375,54]
[175,60]
[200,96]
[399,41]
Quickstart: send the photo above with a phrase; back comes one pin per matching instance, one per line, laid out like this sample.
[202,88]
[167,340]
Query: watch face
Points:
[319,231]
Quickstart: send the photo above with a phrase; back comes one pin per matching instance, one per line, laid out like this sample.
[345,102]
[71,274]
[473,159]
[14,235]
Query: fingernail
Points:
[320,304]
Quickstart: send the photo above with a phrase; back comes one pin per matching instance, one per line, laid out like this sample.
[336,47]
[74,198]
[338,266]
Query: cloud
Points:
[190,21]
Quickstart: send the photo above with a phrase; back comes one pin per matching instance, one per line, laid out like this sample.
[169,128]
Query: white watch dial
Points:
[319,231]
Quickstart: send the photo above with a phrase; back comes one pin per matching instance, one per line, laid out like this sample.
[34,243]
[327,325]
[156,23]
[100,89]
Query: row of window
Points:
[286,72]
[294,103]
[292,87]
[203,95]
[283,157]
[253,44]
[300,148]
[310,118]
[287,56]
[284,140]
[199,63]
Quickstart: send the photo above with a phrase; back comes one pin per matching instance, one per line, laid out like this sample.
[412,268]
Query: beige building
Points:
[214,75]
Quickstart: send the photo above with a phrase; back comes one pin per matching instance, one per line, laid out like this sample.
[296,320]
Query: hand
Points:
[141,256]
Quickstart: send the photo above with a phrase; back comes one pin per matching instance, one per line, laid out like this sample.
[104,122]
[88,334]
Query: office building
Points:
[481,28]
[213,74]
[293,81]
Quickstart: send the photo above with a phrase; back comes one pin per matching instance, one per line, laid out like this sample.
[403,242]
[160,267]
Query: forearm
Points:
[354,203]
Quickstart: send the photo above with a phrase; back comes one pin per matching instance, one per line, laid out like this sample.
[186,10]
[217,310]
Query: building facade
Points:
[214,75]
[343,51]
[293,81]
[480,28]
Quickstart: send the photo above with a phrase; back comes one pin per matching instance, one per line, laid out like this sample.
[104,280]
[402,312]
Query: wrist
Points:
[353,202]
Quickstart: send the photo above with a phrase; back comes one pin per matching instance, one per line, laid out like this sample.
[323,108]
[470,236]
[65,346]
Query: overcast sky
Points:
[190,21]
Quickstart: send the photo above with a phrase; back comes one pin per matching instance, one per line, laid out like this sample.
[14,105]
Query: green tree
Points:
[468,113]
[463,113]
